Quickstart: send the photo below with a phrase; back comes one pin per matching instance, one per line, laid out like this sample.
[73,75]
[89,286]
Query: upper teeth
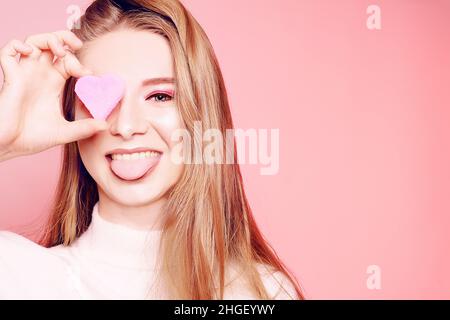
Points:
[134,156]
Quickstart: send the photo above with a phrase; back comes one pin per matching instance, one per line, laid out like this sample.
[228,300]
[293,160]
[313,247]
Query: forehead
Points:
[134,55]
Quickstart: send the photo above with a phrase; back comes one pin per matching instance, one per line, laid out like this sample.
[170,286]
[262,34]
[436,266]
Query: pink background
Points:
[363,115]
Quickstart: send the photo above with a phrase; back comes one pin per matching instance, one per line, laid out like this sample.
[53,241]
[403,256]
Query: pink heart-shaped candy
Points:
[100,95]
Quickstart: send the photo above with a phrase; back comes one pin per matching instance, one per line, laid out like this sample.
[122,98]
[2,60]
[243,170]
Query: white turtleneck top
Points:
[108,261]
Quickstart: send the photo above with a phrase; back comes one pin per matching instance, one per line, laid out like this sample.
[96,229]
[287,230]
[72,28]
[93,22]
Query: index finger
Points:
[69,38]
[51,41]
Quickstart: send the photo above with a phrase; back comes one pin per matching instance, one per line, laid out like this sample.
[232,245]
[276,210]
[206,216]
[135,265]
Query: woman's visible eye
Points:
[160,97]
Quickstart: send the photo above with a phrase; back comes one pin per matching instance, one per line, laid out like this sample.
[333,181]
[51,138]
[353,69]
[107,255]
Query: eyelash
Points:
[160,94]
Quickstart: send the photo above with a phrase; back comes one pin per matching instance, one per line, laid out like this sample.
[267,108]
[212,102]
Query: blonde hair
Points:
[208,222]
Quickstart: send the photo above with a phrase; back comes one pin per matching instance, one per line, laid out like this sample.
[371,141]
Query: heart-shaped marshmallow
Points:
[100,95]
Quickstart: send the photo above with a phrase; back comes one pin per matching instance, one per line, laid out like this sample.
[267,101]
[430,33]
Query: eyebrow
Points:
[154,81]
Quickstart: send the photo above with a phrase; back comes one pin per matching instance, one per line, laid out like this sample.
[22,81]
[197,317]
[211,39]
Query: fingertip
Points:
[79,72]
[87,71]
[27,48]
[103,125]
[100,124]
[23,48]
[82,73]
[61,53]
[77,44]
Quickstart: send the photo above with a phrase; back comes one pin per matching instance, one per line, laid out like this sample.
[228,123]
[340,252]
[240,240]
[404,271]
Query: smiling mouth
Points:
[134,155]
[133,166]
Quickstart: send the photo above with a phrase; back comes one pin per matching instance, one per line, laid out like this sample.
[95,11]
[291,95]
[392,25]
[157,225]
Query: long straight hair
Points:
[208,223]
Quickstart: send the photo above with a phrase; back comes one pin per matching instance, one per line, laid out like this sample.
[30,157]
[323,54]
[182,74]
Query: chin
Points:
[135,195]
[135,200]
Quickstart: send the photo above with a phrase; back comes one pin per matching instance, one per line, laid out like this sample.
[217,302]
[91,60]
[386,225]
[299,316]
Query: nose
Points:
[127,119]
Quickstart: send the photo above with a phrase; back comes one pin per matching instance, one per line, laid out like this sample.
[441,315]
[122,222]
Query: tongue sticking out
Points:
[133,169]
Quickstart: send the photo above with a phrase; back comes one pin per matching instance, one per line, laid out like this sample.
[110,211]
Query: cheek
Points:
[90,155]
[166,123]
[86,153]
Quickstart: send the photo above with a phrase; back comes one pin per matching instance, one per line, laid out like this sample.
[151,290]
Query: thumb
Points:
[82,129]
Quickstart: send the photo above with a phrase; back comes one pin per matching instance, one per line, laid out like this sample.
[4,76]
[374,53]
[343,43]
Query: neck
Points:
[147,216]
[117,244]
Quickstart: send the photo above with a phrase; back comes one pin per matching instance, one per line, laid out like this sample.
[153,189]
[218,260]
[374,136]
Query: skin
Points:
[26,104]
[143,118]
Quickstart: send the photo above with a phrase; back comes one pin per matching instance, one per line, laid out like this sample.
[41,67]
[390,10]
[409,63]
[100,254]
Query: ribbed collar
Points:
[119,245]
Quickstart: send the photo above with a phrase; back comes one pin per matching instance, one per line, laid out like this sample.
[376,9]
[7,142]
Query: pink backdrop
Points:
[363,115]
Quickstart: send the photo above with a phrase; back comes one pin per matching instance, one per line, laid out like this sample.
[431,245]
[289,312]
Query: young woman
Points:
[128,222]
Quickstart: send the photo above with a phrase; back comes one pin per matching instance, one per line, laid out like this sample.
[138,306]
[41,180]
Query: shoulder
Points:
[20,253]
[29,270]
[276,283]
[15,243]
[16,251]
[10,241]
